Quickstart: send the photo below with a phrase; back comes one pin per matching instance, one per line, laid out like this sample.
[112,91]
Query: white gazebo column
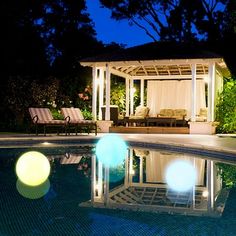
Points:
[142,92]
[106,186]
[127,167]
[93,178]
[131,96]
[141,170]
[131,156]
[211,92]
[100,180]
[101,92]
[210,185]
[127,95]
[194,93]
[94,94]
[108,92]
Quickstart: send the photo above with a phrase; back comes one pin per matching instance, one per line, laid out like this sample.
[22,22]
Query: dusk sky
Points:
[109,30]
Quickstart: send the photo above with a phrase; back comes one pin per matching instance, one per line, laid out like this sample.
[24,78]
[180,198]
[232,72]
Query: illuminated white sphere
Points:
[33,168]
[111,150]
[181,176]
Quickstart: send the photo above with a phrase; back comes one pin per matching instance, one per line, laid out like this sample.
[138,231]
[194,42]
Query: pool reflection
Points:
[144,187]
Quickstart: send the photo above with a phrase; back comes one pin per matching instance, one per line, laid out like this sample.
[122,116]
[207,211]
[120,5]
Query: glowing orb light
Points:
[181,176]
[205,193]
[33,192]
[32,168]
[111,150]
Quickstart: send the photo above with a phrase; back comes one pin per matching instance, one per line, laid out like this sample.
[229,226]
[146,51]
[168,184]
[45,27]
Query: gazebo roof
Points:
[159,59]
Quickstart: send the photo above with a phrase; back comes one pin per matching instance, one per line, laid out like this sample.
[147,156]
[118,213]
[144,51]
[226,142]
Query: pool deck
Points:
[224,144]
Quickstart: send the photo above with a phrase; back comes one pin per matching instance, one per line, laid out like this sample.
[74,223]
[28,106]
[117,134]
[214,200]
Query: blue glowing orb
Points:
[181,176]
[111,150]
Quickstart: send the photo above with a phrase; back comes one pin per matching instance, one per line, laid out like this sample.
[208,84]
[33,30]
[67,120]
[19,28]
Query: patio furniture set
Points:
[166,117]
[73,119]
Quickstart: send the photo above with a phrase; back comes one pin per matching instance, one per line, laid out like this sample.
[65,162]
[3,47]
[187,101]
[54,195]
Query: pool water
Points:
[128,205]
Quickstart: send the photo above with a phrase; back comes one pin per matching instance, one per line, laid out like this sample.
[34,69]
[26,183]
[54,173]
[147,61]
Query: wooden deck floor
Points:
[149,130]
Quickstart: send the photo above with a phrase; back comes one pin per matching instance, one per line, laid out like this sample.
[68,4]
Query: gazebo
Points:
[160,63]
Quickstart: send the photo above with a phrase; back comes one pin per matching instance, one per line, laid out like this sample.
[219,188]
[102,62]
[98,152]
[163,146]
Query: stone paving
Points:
[219,143]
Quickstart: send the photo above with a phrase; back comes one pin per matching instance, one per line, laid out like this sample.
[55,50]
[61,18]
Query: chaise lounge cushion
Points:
[43,116]
[75,118]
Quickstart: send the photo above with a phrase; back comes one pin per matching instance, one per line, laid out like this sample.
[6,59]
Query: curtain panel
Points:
[174,94]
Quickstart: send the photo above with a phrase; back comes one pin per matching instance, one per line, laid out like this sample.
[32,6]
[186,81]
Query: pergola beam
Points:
[163,77]
[155,62]
[119,73]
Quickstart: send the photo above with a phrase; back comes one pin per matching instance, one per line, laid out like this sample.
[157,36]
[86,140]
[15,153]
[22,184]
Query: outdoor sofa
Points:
[178,114]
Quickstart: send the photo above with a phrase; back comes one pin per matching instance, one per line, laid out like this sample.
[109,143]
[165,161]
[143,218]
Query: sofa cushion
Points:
[180,114]
[203,112]
[166,112]
[202,116]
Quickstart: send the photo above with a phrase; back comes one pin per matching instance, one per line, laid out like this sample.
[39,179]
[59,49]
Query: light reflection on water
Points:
[78,180]
[140,183]
[144,185]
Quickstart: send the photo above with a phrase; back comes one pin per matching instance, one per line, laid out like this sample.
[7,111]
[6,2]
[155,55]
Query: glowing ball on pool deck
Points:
[111,150]
[33,168]
[181,176]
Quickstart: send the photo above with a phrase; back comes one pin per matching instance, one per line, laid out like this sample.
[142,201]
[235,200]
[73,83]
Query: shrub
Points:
[228,174]
[226,108]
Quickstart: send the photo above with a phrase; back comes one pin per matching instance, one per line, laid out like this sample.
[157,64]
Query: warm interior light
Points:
[133,90]
[205,193]
[46,143]
[205,78]
[132,172]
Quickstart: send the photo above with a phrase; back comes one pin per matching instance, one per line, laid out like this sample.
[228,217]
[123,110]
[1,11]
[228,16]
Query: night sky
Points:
[109,30]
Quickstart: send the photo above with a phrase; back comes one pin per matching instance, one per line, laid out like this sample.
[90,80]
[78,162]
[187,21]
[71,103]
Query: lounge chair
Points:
[75,119]
[43,117]
[202,116]
[141,113]
[71,158]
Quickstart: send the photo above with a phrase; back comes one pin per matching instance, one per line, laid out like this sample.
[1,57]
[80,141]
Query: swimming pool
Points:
[84,198]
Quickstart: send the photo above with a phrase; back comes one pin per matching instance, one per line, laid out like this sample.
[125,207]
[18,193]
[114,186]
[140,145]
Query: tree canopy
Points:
[42,41]
[178,20]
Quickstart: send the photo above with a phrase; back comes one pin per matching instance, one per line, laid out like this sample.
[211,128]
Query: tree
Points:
[179,20]
[23,49]
[68,33]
